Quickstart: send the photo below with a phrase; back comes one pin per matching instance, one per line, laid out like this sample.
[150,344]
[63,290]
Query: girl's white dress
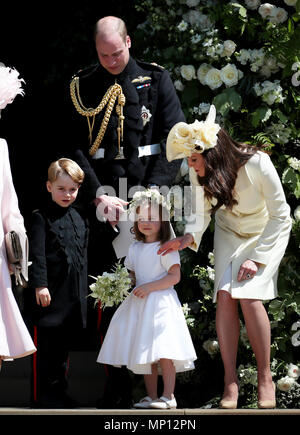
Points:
[15,340]
[143,330]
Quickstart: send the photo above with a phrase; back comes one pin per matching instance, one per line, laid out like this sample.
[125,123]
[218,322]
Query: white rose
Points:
[252,4]
[293,371]
[278,15]
[290,2]
[188,72]
[202,71]
[228,48]
[285,384]
[297,213]
[229,75]
[213,78]
[266,9]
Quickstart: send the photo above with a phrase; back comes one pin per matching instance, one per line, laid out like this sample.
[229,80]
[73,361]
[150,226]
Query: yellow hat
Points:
[185,139]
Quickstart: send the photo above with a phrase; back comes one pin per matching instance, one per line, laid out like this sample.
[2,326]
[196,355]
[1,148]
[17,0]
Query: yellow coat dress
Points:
[257,228]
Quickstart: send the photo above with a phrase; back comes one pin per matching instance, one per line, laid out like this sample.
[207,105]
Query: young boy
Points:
[58,251]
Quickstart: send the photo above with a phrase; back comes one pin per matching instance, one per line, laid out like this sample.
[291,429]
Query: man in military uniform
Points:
[123,110]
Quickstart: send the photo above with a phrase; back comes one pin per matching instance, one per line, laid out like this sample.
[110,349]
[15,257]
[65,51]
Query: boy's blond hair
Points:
[65,166]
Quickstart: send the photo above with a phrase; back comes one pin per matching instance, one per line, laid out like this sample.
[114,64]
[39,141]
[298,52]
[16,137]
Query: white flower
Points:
[247,375]
[294,163]
[186,309]
[243,56]
[228,48]
[10,85]
[278,15]
[296,79]
[297,213]
[211,346]
[202,71]
[266,10]
[252,4]
[290,2]
[149,195]
[285,384]
[211,273]
[229,75]
[203,108]
[271,92]
[211,258]
[182,26]
[179,85]
[213,78]
[196,38]
[295,66]
[111,288]
[293,371]
[188,72]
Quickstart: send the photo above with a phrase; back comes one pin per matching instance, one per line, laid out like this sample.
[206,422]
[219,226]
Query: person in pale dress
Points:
[148,332]
[239,184]
[15,340]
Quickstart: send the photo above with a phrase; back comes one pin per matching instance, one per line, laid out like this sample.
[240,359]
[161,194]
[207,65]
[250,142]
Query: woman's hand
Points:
[42,296]
[176,244]
[247,270]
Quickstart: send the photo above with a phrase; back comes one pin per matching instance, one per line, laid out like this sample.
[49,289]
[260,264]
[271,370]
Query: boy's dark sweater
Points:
[58,239]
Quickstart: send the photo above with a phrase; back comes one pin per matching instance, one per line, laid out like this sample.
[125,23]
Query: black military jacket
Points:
[58,252]
[145,86]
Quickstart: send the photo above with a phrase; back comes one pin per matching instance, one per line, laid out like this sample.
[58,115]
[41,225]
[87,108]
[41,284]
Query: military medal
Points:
[146,115]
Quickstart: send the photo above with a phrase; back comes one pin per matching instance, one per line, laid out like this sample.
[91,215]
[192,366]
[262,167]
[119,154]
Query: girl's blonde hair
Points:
[68,167]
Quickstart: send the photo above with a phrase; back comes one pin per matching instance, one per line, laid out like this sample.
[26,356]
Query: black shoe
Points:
[49,401]
[109,403]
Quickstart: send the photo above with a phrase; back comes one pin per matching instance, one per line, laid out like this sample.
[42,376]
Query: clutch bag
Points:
[15,257]
[13,247]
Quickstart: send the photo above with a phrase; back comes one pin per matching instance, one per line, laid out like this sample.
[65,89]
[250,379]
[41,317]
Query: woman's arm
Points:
[172,278]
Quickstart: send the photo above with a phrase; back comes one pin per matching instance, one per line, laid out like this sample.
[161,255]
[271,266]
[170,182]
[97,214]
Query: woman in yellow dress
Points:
[239,184]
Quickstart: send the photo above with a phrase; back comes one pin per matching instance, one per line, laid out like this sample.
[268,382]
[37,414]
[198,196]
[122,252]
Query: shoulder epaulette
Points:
[85,72]
[150,65]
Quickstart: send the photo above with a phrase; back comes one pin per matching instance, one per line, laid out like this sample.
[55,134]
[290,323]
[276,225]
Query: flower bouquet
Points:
[111,288]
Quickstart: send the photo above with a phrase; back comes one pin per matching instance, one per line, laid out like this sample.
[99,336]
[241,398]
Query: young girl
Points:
[148,332]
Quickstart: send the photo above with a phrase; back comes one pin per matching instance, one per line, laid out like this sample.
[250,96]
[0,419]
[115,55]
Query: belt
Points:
[146,150]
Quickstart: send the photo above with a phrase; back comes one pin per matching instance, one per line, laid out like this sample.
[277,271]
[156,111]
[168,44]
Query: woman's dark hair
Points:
[165,232]
[221,168]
